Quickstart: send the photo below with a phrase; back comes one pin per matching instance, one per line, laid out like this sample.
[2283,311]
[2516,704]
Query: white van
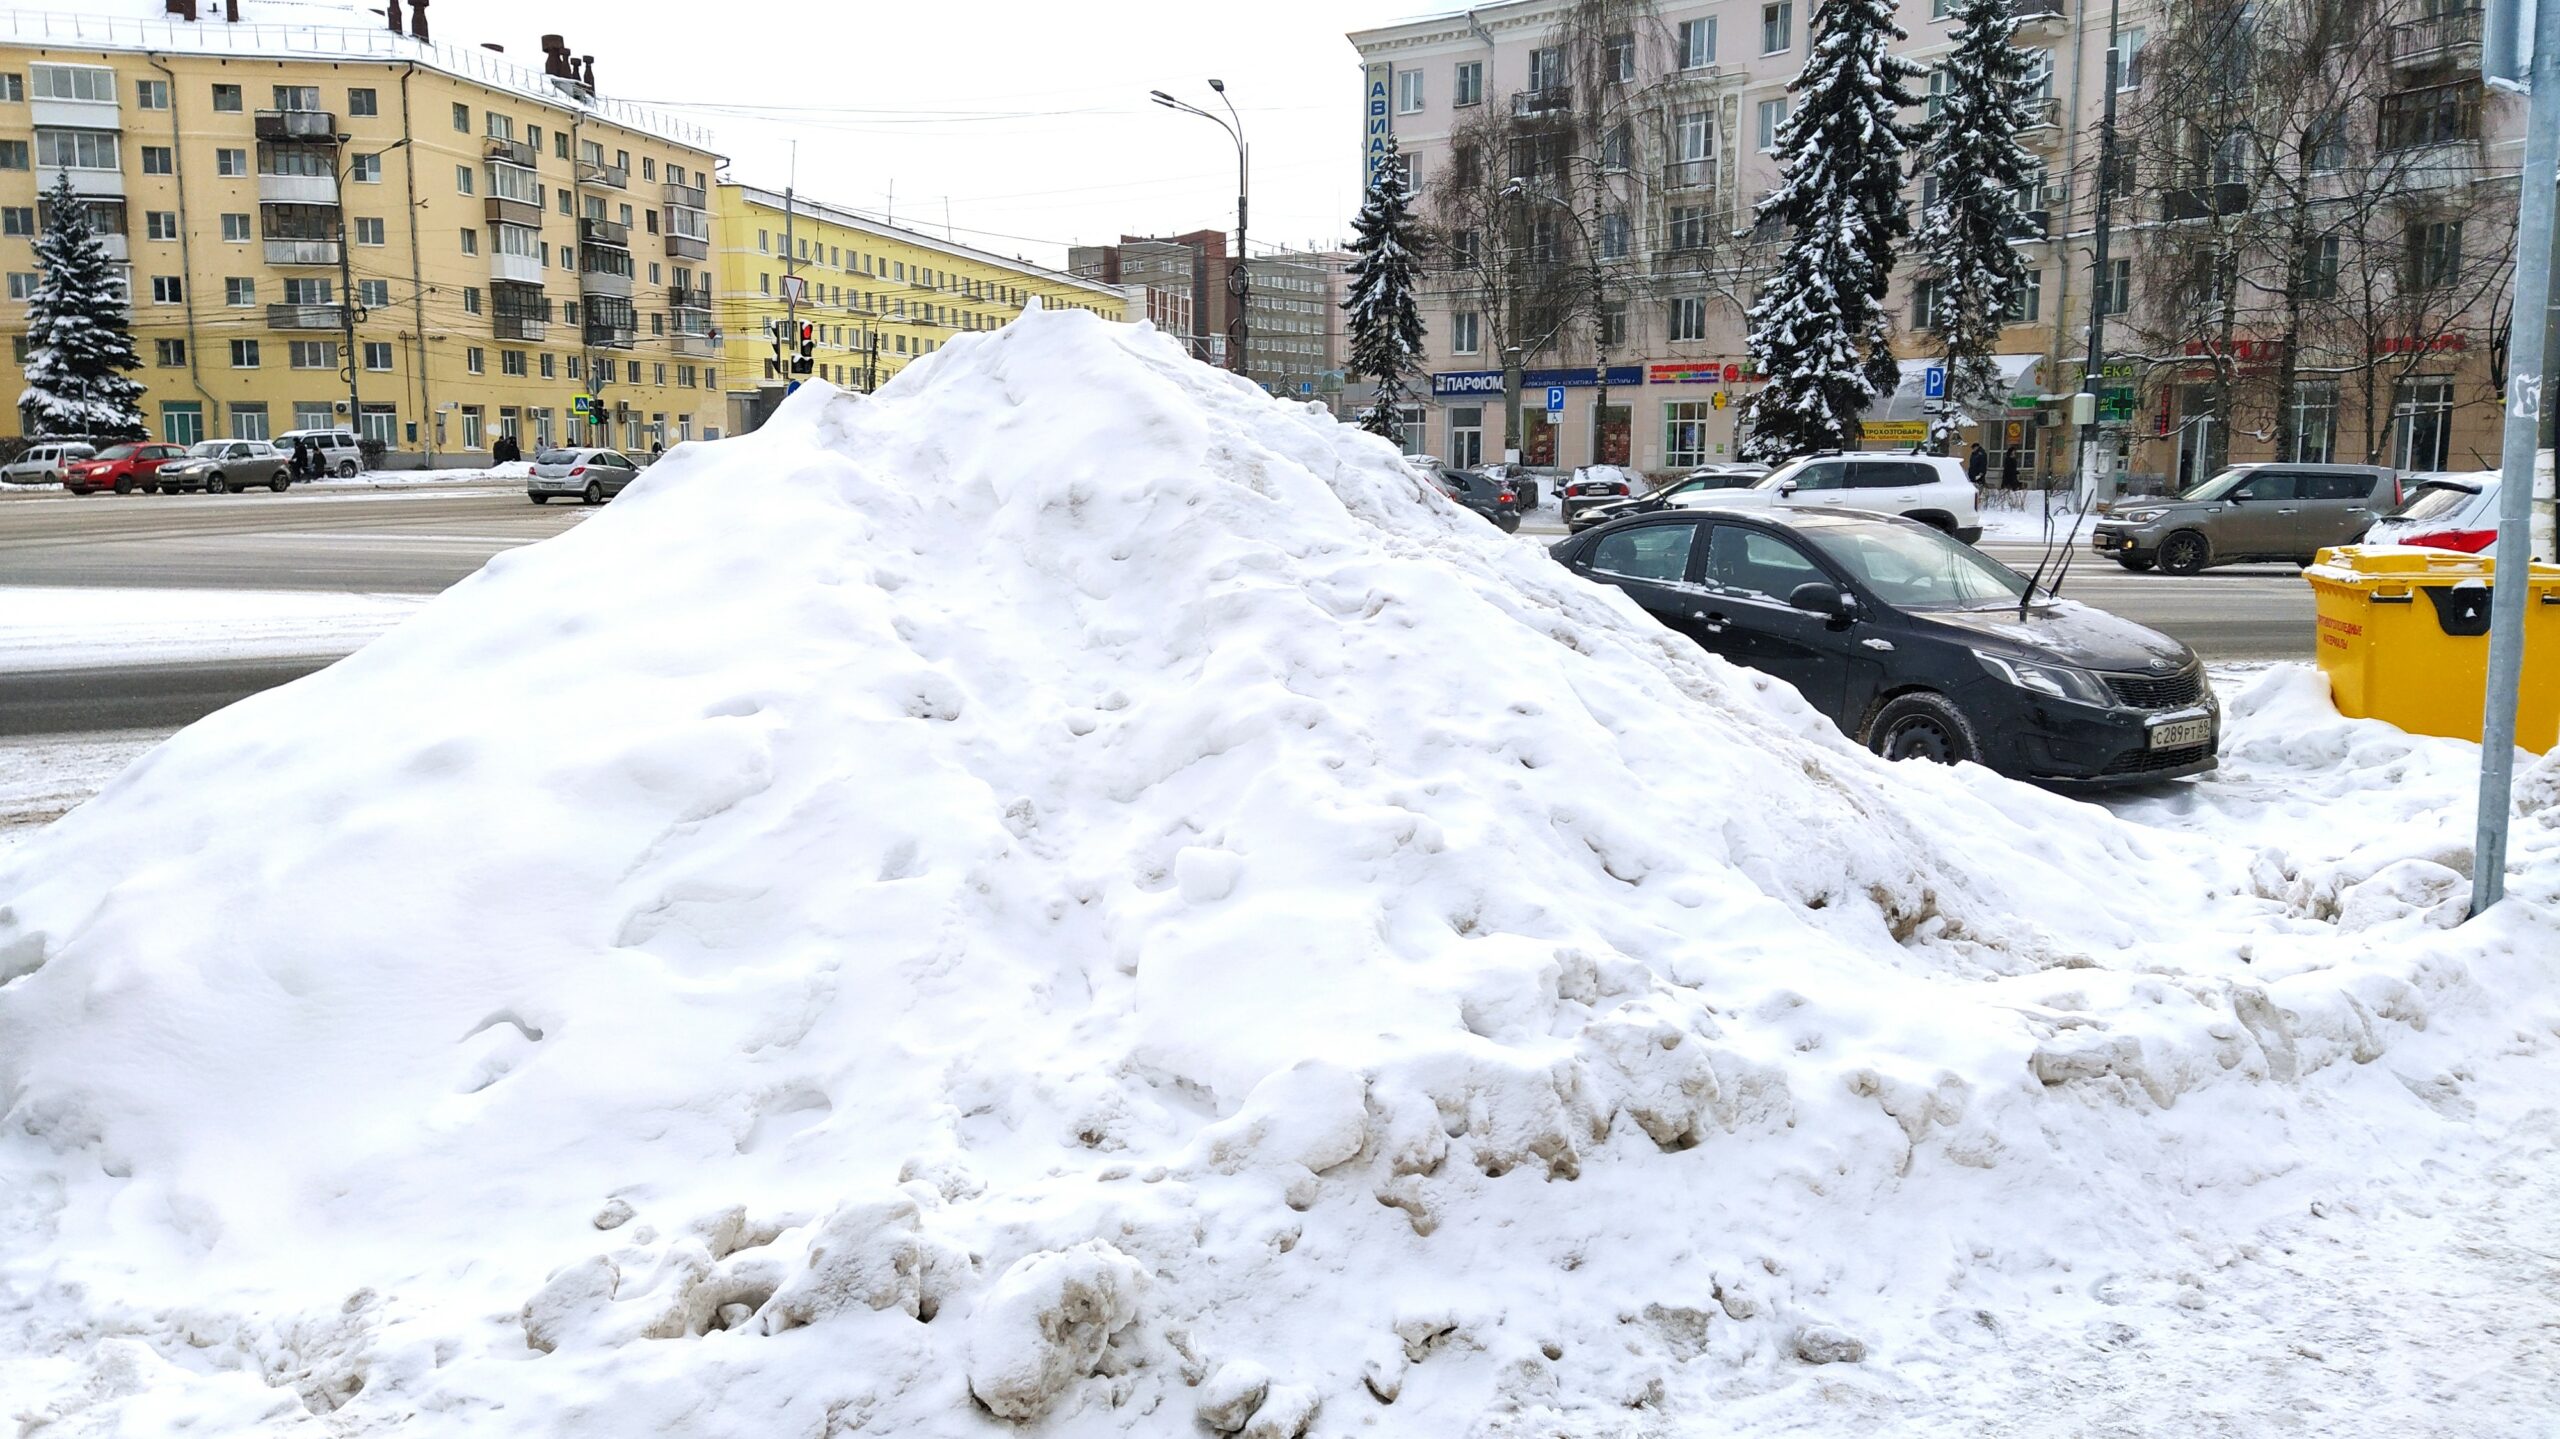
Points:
[42,464]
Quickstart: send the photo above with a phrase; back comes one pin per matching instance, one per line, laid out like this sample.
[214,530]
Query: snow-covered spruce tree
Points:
[1818,328]
[1386,325]
[79,337]
[1966,235]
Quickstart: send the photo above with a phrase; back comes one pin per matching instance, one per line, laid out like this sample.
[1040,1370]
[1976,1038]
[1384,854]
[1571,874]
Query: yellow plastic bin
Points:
[2404,638]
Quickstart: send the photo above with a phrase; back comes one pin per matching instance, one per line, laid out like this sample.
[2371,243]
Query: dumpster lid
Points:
[2356,566]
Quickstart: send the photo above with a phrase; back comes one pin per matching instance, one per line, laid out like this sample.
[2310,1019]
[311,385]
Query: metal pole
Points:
[1512,448]
[790,292]
[2098,290]
[347,305]
[1239,283]
[2515,463]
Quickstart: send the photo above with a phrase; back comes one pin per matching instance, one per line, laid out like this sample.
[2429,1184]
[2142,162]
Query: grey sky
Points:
[1028,118]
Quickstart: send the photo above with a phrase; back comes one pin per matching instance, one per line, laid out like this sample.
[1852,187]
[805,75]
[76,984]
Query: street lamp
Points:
[347,283]
[1517,188]
[1239,285]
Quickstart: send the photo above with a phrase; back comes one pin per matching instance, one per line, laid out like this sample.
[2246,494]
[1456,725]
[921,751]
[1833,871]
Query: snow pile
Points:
[1073,895]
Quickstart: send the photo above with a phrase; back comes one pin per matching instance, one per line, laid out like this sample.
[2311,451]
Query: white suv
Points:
[339,451]
[1929,488]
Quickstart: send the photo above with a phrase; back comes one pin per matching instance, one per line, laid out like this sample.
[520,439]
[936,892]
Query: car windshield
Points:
[1915,568]
[2436,500]
[556,457]
[119,452]
[208,449]
[2219,486]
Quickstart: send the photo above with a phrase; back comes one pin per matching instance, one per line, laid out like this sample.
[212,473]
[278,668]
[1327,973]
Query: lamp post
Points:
[1518,189]
[1239,285]
[347,284]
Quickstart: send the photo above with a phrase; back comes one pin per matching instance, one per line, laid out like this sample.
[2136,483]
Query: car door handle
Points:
[2288,512]
[1714,623]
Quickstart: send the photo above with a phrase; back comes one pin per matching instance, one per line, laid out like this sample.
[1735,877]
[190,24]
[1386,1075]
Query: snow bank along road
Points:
[1199,931]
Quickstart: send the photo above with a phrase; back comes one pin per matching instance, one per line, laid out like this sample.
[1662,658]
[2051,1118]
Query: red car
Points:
[121,468]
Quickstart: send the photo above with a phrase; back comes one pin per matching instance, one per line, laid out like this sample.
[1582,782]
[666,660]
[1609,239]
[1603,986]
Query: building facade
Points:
[357,228]
[1293,335]
[876,297]
[1617,148]
[1161,263]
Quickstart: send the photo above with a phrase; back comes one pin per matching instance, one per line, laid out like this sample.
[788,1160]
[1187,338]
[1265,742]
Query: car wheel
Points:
[2137,566]
[1922,725]
[216,485]
[2184,553]
[151,489]
[595,492]
[346,469]
[278,482]
[124,486]
[539,499]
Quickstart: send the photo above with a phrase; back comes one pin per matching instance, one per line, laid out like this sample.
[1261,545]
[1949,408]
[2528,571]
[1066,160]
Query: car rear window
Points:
[556,457]
[2435,501]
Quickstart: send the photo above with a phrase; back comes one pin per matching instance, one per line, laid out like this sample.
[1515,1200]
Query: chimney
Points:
[553,47]
[590,77]
[391,16]
[417,18]
[493,49]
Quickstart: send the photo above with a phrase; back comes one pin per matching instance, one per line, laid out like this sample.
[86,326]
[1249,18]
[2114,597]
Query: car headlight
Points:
[2058,681]
[2137,517]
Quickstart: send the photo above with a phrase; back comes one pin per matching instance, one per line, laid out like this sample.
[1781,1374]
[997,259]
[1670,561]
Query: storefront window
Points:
[1466,436]
[1684,433]
[2314,423]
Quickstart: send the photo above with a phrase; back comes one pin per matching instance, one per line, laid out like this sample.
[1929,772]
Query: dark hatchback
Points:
[1913,643]
[1496,499]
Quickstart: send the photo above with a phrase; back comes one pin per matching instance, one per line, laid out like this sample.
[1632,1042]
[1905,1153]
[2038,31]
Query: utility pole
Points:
[790,291]
[2099,293]
[2505,27]
[1512,438]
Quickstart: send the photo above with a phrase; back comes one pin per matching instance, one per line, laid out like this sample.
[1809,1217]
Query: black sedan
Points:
[1688,489]
[1915,645]
[1496,500]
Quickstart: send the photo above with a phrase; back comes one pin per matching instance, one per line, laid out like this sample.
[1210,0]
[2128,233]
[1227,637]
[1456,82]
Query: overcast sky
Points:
[1027,119]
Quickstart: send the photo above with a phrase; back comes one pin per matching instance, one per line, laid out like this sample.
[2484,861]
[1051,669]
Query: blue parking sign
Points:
[1933,383]
[1555,399]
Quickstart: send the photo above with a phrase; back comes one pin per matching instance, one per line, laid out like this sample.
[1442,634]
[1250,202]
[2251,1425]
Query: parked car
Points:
[2442,512]
[594,476]
[1694,485]
[1518,477]
[1917,645]
[1931,489]
[218,466]
[2249,512]
[122,468]
[1494,499]
[45,462]
[1597,485]
[340,453]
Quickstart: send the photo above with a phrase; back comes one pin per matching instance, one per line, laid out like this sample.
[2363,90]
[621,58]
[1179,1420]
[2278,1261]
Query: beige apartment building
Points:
[1642,132]
[348,226]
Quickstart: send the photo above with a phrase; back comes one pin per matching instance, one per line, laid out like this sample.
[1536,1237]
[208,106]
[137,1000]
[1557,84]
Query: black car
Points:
[1913,643]
[1696,482]
[1494,499]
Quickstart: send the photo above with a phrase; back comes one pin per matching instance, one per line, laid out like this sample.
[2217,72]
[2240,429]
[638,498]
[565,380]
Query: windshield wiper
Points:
[2070,543]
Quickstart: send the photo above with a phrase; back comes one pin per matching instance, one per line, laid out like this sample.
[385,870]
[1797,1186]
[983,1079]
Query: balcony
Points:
[687,197]
[499,210]
[685,247]
[1689,175]
[1553,100]
[684,344]
[680,298]
[96,184]
[306,317]
[2034,225]
[2452,37]
[598,276]
[72,114]
[604,232]
[505,151]
[612,334]
[115,247]
[504,326]
[2040,17]
[612,177]
[2042,112]
[2196,202]
[301,252]
[297,189]
[2446,114]
[305,125]
[516,269]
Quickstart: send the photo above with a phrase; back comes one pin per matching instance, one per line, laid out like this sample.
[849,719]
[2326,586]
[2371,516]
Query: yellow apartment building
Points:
[862,282]
[356,228]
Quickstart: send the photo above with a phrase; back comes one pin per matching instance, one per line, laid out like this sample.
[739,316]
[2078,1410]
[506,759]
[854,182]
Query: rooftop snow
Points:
[1072,880]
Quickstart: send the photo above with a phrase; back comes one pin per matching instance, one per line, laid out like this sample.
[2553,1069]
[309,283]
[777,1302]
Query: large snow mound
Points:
[1073,894]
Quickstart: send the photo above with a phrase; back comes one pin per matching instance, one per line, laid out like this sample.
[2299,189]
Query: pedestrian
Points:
[2009,468]
[657,450]
[504,451]
[1975,463]
[301,462]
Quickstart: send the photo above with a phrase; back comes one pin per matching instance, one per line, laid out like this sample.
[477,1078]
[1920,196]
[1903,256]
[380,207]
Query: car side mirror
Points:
[1822,599]
[1786,487]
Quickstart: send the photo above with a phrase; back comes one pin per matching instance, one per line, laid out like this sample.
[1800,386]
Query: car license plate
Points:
[2182,735]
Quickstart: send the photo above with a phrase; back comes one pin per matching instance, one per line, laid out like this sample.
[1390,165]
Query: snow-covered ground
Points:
[44,777]
[1203,930]
[76,628]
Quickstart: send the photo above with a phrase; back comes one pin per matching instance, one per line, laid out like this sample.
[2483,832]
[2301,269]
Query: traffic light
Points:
[774,366]
[806,360]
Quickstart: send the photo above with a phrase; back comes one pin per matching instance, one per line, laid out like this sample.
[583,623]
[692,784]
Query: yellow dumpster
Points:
[2404,637]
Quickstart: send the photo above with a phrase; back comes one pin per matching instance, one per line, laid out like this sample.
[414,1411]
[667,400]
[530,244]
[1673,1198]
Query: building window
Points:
[470,241]
[2313,419]
[248,419]
[362,102]
[1546,69]
[151,94]
[181,422]
[78,149]
[511,362]
[560,144]
[2115,297]
[374,294]
[13,87]
[239,292]
[377,354]
[1684,433]
[367,170]
[2124,59]
[1408,92]
[226,99]
[381,425]
[1777,27]
[2422,422]
[1697,44]
[474,361]
[75,82]
[1689,317]
[1466,87]
[1928,298]
[22,284]
[313,415]
[462,179]
[1466,436]
[1691,227]
[170,353]
[160,224]
[471,299]
[13,154]
[235,228]
[1773,118]
[548,369]
[368,229]
[18,220]
[471,427]
[168,290]
[2027,304]
[229,163]
[244,354]
[2316,274]
[306,292]
[312,354]
[1613,237]
[1618,58]
[1613,322]
[462,118]
[2431,115]
[2435,253]
[1465,331]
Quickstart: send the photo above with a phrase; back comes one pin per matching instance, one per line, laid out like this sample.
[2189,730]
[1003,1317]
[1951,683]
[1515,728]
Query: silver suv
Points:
[2249,512]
